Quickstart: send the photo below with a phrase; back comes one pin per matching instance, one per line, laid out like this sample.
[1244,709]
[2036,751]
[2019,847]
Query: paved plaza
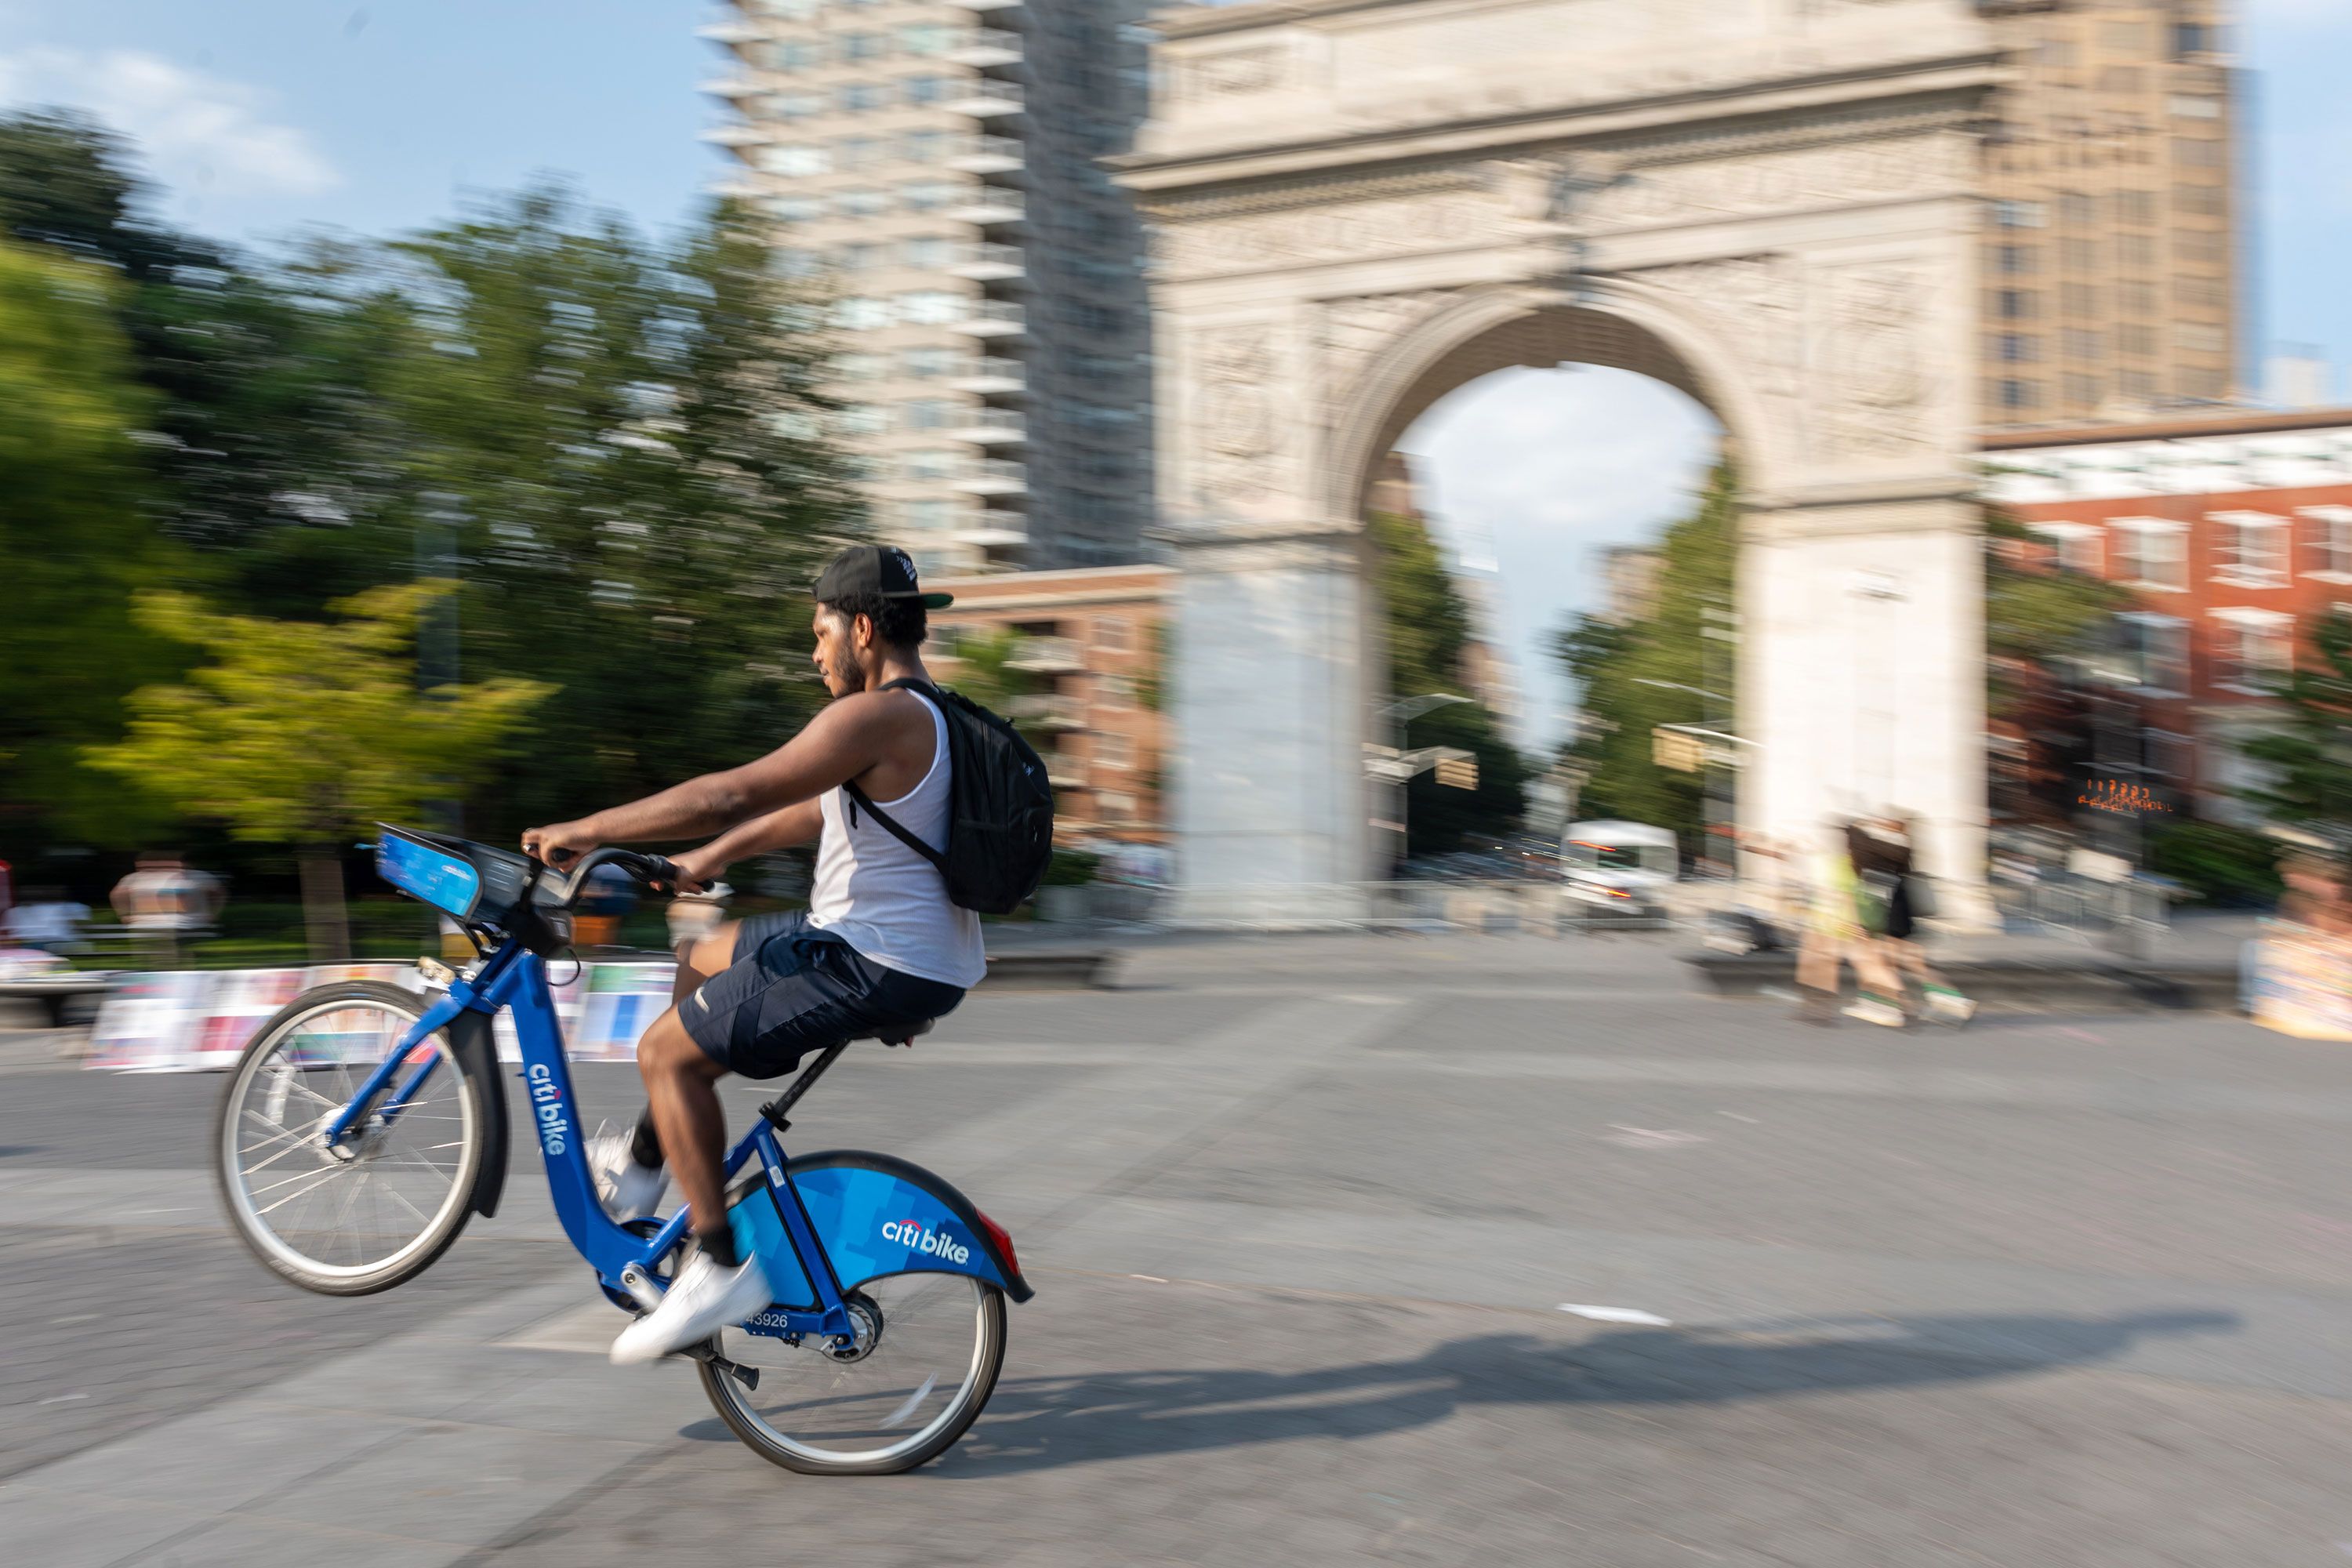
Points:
[1303,1213]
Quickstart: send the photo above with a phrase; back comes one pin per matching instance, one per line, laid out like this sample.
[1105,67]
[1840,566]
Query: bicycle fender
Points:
[877,1215]
[471,1038]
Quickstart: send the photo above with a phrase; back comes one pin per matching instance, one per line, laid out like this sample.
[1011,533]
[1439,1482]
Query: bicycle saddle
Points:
[908,1036]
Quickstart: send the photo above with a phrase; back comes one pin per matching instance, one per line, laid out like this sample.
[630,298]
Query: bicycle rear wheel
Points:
[380,1209]
[928,1351]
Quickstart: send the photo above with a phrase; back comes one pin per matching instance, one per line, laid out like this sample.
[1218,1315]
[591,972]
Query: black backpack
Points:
[1000,809]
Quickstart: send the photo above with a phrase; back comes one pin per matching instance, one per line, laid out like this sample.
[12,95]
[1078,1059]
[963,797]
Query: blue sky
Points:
[261,116]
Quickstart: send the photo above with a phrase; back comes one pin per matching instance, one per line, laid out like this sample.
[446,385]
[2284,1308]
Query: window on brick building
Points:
[2332,539]
[2250,549]
[2168,755]
[2076,546]
[2252,649]
[2151,553]
[2157,648]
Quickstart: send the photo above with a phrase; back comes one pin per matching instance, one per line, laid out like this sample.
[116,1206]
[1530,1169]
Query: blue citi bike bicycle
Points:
[366,1124]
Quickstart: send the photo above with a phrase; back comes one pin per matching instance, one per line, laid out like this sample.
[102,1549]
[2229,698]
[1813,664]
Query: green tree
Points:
[636,457]
[1631,678]
[75,544]
[618,448]
[2041,625]
[304,732]
[1427,623]
[2307,751]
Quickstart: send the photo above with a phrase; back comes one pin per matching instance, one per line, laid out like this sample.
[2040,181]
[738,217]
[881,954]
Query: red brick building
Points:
[1092,648]
[2233,532]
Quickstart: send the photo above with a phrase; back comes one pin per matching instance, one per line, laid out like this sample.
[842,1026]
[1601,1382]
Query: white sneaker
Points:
[1877,1010]
[628,1189]
[1951,1006]
[706,1299]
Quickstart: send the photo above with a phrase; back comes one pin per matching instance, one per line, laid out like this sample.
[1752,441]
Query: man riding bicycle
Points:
[881,950]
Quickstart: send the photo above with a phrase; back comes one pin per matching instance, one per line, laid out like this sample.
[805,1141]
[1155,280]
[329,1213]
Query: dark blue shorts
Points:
[793,989]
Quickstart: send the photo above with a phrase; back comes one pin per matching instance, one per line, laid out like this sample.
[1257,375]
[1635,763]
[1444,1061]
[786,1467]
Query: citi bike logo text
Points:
[910,1232]
[547,1103]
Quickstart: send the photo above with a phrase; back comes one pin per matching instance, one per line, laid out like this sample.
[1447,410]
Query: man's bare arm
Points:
[777,830]
[844,739]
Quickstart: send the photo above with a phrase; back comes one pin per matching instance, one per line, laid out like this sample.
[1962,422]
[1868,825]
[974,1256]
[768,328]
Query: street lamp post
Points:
[1707,728]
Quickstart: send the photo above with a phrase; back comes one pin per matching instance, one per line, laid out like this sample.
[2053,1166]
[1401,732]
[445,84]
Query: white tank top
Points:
[886,900]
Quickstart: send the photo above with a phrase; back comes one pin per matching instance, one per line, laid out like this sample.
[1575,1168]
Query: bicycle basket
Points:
[470,881]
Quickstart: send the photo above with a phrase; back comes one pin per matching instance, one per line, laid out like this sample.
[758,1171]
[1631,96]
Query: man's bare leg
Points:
[717,1286]
[682,1099]
[700,959]
[697,961]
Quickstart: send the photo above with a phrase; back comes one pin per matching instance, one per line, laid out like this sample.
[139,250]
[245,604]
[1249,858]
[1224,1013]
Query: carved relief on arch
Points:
[1755,306]
[1403,225]
[1877,373]
[1358,330]
[1234,414]
[1256,67]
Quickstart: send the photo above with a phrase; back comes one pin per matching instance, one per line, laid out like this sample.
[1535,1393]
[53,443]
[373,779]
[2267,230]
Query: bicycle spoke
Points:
[399,1173]
[320,1177]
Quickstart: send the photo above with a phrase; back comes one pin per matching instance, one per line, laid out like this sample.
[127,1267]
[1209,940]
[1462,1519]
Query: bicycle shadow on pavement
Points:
[1039,1423]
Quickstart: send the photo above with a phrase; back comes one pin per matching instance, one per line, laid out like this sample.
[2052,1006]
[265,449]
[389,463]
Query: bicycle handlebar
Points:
[654,870]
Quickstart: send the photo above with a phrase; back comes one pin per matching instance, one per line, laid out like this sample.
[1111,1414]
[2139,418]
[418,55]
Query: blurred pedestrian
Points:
[1844,920]
[1893,849]
[47,920]
[168,901]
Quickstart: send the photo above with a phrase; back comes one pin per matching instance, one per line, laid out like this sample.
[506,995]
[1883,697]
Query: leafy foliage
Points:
[1428,630]
[73,535]
[1614,665]
[617,448]
[2041,622]
[2221,864]
[2308,753]
[302,733]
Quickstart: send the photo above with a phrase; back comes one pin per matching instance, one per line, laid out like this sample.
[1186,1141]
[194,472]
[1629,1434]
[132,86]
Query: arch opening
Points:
[1561,459]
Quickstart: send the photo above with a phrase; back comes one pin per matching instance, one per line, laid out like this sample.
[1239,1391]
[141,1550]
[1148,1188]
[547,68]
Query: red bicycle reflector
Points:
[1004,1242]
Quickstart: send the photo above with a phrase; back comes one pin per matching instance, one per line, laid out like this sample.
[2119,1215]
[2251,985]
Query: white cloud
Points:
[1552,466]
[199,134]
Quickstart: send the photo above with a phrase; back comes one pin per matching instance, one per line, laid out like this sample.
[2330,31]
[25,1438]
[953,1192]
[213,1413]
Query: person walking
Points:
[1842,921]
[1894,851]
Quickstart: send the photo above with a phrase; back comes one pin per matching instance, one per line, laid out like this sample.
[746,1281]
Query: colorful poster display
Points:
[195,1020]
[2302,985]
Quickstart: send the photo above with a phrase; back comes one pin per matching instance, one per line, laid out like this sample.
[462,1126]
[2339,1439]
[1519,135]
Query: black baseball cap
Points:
[882,569]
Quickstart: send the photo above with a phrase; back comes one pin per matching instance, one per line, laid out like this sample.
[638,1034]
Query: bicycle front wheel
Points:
[928,1350]
[380,1208]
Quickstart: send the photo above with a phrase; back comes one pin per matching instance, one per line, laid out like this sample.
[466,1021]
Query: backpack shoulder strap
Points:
[897,830]
[858,796]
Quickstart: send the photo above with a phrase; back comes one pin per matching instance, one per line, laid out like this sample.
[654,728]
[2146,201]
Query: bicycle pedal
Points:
[749,1377]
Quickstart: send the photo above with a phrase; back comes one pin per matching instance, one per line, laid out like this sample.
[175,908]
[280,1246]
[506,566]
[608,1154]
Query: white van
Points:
[1624,867]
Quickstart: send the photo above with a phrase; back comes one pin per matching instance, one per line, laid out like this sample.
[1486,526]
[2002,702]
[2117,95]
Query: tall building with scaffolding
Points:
[932,166]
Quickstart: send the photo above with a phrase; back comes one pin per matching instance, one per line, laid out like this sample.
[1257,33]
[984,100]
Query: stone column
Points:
[1863,678]
[1270,690]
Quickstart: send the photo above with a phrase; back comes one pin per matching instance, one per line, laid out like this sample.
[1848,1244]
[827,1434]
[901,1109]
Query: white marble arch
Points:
[1358,205]
[1622,323]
